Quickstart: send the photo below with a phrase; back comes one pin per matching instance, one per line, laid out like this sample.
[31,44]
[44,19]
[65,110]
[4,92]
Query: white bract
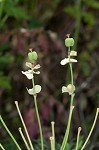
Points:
[67,60]
[28,74]
[70,89]
[73,53]
[30,65]
[35,90]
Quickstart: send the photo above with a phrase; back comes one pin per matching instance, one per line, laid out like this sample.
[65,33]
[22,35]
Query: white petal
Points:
[70,88]
[35,90]
[36,72]
[64,89]
[73,53]
[64,61]
[28,64]
[37,66]
[28,74]
[73,60]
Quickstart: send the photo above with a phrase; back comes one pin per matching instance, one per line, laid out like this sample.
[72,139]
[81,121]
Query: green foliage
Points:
[5,81]
[92,3]
[5,59]
[9,145]
[10,8]
[84,63]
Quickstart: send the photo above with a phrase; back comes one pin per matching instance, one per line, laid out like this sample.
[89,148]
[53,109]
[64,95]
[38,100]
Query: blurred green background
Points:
[43,26]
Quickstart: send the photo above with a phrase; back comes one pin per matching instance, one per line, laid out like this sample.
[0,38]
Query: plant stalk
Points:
[12,137]
[38,117]
[97,112]
[79,129]
[1,147]
[28,137]
[65,140]
[23,138]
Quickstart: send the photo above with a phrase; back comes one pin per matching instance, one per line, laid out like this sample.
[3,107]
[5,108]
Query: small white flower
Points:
[66,60]
[70,89]
[73,53]
[35,90]
[29,74]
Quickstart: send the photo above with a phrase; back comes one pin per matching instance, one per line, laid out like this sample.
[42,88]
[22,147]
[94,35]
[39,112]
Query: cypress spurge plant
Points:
[70,89]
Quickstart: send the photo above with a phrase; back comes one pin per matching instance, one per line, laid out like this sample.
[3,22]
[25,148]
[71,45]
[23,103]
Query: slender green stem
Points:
[3,123]
[28,137]
[38,117]
[97,112]
[53,135]
[2,147]
[51,141]
[79,129]
[65,140]
[25,142]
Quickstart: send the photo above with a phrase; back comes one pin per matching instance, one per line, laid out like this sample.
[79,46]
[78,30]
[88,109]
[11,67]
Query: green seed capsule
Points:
[69,42]
[32,56]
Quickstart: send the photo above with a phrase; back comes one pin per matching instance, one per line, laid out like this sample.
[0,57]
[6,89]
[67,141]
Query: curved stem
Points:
[38,117]
[12,137]
[97,112]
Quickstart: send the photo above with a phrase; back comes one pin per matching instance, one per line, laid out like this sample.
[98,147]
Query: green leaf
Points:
[67,147]
[89,18]
[6,60]
[92,3]
[5,82]
[12,10]
[71,10]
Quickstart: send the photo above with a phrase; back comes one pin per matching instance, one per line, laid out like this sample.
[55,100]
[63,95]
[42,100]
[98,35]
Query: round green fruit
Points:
[32,56]
[69,42]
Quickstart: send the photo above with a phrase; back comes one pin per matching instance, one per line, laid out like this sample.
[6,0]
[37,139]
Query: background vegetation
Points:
[43,25]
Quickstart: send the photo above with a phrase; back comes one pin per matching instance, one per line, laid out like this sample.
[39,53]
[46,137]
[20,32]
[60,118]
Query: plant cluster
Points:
[70,89]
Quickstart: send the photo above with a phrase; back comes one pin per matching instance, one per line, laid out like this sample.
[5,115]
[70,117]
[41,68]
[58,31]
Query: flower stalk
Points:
[69,42]
[52,143]
[23,138]
[53,134]
[1,146]
[23,123]
[12,137]
[38,117]
[78,134]
[92,128]
[32,56]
